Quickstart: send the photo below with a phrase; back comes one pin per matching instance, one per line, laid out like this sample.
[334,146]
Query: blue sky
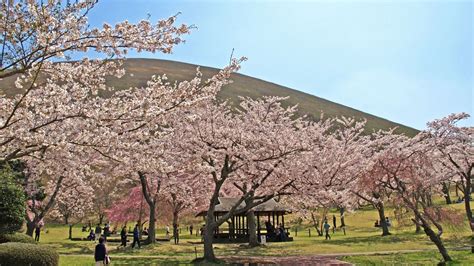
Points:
[407,61]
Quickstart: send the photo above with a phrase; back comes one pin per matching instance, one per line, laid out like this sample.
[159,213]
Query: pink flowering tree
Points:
[74,202]
[453,150]
[245,151]
[406,167]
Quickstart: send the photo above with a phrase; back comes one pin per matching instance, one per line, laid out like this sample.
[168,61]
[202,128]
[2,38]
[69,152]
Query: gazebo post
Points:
[246,224]
[273,220]
[239,225]
[283,219]
[258,225]
[278,220]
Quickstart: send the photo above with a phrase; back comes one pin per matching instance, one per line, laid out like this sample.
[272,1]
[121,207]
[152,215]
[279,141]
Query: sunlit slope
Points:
[140,70]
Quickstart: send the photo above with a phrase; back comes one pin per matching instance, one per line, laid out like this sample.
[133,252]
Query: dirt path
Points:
[286,261]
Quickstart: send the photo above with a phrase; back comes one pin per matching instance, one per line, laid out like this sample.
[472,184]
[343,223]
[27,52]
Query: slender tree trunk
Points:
[175,217]
[467,203]
[437,241]
[151,225]
[209,237]
[418,228]
[445,191]
[383,223]
[316,224]
[253,239]
[341,211]
[70,231]
[101,218]
[30,228]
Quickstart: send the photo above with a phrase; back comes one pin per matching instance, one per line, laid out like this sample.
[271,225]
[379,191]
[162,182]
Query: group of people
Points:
[279,233]
[379,224]
[176,232]
[98,232]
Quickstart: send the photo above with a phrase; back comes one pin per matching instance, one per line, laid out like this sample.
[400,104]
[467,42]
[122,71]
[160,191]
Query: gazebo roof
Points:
[225,204]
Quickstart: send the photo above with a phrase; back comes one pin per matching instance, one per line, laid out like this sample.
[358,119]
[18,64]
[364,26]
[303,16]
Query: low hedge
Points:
[27,254]
[22,238]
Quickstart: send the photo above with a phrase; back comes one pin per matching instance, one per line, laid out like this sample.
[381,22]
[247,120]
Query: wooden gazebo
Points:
[268,216]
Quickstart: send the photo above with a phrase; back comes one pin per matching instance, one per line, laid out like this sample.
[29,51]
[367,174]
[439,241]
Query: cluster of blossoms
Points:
[173,141]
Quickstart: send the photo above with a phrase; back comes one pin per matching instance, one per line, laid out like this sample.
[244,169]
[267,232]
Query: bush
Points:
[27,254]
[22,238]
[12,202]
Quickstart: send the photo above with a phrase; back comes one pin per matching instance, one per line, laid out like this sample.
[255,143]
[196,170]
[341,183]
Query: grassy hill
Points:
[143,69]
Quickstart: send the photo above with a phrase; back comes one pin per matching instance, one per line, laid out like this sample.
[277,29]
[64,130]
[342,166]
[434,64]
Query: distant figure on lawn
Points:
[282,231]
[91,236]
[334,223]
[167,232]
[98,231]
[136,236]
[387,221]
[376,223]
[123,236]
[37,233]
[191,229]
[106,231]
[100,252]
[202,231]
[326,229]
[176,233]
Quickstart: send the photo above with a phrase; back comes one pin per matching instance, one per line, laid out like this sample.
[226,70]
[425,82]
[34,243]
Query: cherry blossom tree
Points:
[74,202]
[454,150]
[132,207]
[407,169]
[243,151]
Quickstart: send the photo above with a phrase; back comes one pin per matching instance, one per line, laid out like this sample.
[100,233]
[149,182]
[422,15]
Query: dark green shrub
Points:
[22,238]
[12,202]
[27,254]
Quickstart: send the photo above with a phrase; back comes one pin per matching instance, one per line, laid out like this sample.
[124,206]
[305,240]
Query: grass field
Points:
[361,238]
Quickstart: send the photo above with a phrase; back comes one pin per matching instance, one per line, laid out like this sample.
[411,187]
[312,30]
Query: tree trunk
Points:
[437,240]
[342,210]
[383,223]
[418,228]
[209,237]
[30,228]
[101,218]
[175,217]
[467,203]
[70,231]
[445,191]
[151,225]
[253,239]
[316,224]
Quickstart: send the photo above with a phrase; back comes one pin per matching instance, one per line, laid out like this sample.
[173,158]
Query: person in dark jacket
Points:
[123,236]
[100,252]
[176,233]
[136,236]
[37,233]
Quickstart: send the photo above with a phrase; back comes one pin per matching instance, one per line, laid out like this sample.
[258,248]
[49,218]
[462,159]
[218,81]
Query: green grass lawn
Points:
[361,237]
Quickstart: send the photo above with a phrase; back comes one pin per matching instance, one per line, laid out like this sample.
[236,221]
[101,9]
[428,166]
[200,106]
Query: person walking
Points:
[106,231]
[37,233]
[100,253]
[191,229]
[123,236]
[136,236]
[326,229]
[176,233]
[98,231]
